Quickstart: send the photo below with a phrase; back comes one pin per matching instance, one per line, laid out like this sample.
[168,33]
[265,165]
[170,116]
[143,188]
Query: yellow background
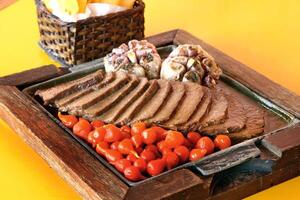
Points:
[263,34]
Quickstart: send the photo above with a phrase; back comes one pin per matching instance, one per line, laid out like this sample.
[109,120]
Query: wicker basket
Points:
[86,40]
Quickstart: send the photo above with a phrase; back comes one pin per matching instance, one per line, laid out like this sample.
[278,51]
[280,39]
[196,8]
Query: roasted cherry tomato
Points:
[97,123]
[114,145]
[82,128]
[149,136]
[137,140]
[139,150]
[188,144]
[122,164]
[222,141]
[126,147]
[155,167]
[141,164]
[125,135]
[171,159]
[112,155]
[68,120]
[163,145]
[153,148]
[125,129]
[138,128]
[101,148]
[183,153]
[133,173]
[161,133]
[113,133]
[193,137]
[174,139]
[206,143]
[131,158]
[96,136]
[197,154]
[147,155]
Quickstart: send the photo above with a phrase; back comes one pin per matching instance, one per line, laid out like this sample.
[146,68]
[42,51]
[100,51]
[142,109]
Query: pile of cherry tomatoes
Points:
[140,151]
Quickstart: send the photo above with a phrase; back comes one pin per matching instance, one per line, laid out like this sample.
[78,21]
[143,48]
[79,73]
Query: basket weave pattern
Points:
[86,40]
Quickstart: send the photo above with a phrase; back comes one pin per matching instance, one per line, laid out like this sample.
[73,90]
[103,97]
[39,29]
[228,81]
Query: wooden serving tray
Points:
[278,161]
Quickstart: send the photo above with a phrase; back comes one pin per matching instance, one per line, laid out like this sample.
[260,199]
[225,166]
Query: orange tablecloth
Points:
[261,34]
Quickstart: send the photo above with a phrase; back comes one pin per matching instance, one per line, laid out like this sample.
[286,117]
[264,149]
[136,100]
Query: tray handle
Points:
[226,159]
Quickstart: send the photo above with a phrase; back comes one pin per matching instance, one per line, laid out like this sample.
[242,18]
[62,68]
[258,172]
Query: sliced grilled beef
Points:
[51,94]
[218,111]
[134,108]
[192,98]
[61,103]
[254,124]
[84,102]
[203,108]
[107,103]
[152,106]
[170,104]
[111,115]
[235,122]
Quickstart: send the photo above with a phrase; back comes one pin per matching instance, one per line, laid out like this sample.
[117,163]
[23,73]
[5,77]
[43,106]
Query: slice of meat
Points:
[51,94]
[193,95]
[134,108]
[235,122]
[109,77]
[218,111]
[170,104]
[152,106]
[107,103]
[203,108]
[84,102]
[254,125]
[111,115]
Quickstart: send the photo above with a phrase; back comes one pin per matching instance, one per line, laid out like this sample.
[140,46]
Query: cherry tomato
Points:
[171,159]
[68,120]
[82,128]
[96,136]
[165,151]
[162,145]
[155,167]
[114,145]
[153,148]
[133,173]
[206,143]
[149,136]
[197,154]
[113,133]
[126,147]
[193,137]
[147,155]
[132,158]
[183,153]
[125,135]
[139,150]
[137,140]
[125,129]
[112,155]
[187,143]
[97,123]
[122,164]
[161,133]
[222,141]
[101,148]
[138,128]
[174,139]
[141,164]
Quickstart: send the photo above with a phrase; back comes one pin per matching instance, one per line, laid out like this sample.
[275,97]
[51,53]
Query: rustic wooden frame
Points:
[94,181]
